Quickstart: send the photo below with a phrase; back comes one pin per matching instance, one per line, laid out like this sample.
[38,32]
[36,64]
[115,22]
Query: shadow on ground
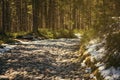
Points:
[32,62]
[37,66]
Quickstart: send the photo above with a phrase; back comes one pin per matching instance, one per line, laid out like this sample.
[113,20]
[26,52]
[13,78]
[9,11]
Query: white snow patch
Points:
[97,50]
[111,73]
[101,68]
[99,64]
[83,63]
[97,54]
[6,48]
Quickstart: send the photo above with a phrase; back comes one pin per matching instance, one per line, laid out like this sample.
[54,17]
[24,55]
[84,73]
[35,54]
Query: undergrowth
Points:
[88,35]
[61,33]
[113,50]
[9,37]
[16,34]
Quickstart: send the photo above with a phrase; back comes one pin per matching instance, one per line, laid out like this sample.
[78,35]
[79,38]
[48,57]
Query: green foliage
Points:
[9,41]
[6,39]
[16,34]
[56,34]
[78,31]
[64,34]
[87,35]
[46,33]
[9,37]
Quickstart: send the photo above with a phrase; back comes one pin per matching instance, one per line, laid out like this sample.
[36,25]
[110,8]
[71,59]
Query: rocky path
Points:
[52,59]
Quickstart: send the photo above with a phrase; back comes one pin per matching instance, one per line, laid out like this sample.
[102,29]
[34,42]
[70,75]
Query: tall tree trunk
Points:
[35,7]
[0,16]
[5,16]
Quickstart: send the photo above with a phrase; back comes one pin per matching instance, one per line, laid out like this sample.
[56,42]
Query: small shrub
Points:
[64,33]
[46,33]
[6,39]
[87,35]
[16,34]
[9,41]
[113,49]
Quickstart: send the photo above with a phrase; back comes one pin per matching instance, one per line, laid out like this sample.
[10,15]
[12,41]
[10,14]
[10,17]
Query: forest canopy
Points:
[31,15]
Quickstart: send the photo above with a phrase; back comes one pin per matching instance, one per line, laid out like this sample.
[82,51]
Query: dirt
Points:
[50,59]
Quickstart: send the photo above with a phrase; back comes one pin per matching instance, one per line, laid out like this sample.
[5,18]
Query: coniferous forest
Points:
[59,39]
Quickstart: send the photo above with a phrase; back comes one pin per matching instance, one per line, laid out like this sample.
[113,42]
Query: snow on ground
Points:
[63,42]
[97,50]
[6,47]
[50,59]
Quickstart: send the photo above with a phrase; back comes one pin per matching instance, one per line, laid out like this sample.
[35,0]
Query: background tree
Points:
[5,15]
[35,4]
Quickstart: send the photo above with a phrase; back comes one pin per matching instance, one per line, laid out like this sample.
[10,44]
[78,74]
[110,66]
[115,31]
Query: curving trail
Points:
[51,59]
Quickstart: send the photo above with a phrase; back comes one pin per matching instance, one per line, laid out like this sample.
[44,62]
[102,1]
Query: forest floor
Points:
[50,59]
